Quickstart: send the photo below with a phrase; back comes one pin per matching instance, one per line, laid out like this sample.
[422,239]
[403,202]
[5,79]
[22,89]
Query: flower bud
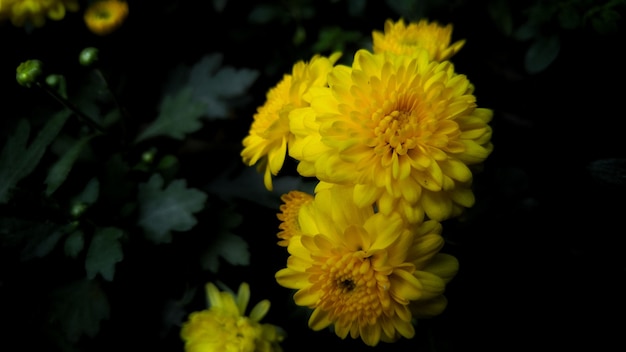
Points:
[28,72]
[88,56]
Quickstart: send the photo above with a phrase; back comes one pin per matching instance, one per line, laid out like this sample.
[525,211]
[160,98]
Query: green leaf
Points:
[18,159]
[231,247]
[104,252]
[568,16]
[59,171]
[74,244]
[171,209]
[226,245]
[609,171]
[219,88]
[541,53]
[335,38]
[179,115]
[500,12]
[266,13]
[249,185]
[90,193]
[42,239]
[79,308]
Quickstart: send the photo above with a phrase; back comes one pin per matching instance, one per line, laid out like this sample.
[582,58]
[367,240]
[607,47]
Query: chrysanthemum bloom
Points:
[361,271]
[288,215]
[105,16]
[269,136]
[402,129]
[35,12]
[224,327]
[403,39]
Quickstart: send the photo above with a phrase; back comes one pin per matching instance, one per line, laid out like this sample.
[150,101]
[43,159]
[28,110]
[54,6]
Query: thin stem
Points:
[81,116]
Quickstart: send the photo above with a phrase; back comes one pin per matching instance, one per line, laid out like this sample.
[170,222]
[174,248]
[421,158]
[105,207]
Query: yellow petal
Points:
[289,278]
[319,320]
[404,286]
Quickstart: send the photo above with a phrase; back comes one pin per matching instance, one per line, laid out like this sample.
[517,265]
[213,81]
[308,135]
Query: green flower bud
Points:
[148,156]
[53,80]
[28,72]
[78,209]
[88,56]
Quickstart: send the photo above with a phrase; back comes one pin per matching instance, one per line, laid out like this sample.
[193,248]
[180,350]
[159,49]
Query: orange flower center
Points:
[353,289]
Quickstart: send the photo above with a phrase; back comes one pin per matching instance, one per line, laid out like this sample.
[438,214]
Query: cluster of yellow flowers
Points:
[101,17]
[35,12]
[224,327]
[390,139]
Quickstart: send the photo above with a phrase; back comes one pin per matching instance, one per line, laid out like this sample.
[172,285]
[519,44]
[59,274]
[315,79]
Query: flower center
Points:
[398,127]
[353,289]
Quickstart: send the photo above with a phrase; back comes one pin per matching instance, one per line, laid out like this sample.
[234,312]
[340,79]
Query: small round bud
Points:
[88,56]
[28,72]
[78,209]
[53,80]
[148,156]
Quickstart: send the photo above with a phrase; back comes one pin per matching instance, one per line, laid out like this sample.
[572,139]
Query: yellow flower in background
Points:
[401,129]
[269,136]
[361,271]
[105,16]
[288,216]
[400,38]
[224,327]
[35,12]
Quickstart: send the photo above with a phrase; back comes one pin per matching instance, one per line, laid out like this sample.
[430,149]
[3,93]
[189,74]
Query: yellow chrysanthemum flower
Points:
[35,12]
[224,327]
[105,16]
[362,271]
[288,216]
[402,129]
[269,137]
[403,39]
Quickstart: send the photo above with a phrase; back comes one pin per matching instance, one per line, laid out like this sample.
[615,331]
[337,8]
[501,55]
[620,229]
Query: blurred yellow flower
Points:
[362,271]
[105,16]
[269,136]
[224,327]
[400,38]
[401,129]
[35,12]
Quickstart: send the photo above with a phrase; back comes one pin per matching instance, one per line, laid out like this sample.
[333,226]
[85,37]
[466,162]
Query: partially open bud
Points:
[28,72]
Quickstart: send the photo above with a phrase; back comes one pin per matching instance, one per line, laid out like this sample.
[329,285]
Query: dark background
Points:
[541,253]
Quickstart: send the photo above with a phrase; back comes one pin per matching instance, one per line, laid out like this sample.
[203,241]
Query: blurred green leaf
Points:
[171,209]
[526,31]
[541,53]
[605,21]
[217,86]
[103,253]
[42,239]
[18,159]
[226,245]
[74,244]
[266,13]
[219,5]
[500,12]
[249,185]
[569,17]
[90,193]
[410,10]
[356,8]
[59,171]
[79,308]
[610,171]
[334,38]
[179,115]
